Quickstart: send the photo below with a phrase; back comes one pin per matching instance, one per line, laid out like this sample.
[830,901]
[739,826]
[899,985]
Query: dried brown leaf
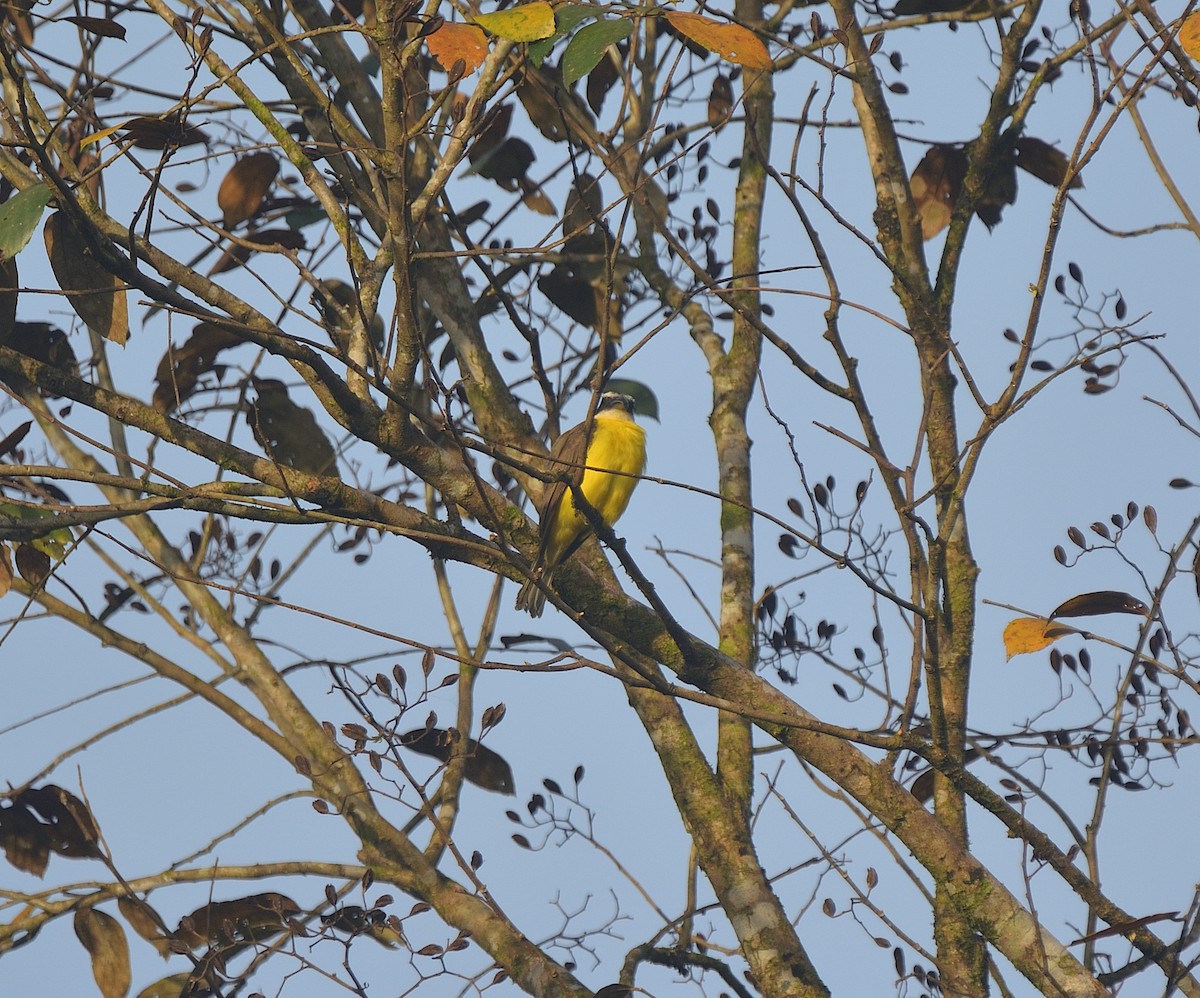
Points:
[97,296]
[1043,161]
[105,941]
[485,768]
[136,913]
[104,27]
[1104,601]
[158,133]
[935,185]
[256,917]
[9,282]
[287,432]
[34,565]
[43,342]
[599,82]
[24,838]
[181,367]
[720,101]
[245,186]
[237,254]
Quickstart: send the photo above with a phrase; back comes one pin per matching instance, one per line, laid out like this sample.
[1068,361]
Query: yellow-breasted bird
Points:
[589,454]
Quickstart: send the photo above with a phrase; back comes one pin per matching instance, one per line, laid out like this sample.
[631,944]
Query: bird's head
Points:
[615,402]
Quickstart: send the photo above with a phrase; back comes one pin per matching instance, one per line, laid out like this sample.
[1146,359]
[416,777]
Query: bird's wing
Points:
[569,455]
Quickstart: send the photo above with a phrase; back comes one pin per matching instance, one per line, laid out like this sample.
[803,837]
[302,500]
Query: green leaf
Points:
[587,48]
[35,526]
[19,216]
[565,20]
[168,987]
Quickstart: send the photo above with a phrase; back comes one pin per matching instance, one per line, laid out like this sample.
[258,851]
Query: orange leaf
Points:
[453,41]
[731,42]
[1189,35]
[1028,634]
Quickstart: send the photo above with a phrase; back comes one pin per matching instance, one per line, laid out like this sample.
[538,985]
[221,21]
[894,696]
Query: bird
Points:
[605,457]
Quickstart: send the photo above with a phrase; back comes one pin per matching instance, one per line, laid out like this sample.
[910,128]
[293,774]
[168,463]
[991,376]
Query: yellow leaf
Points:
[1029,634]
[6,572]
[731,42]
[104,133]
[527,23]
[453,41]
[1189,35]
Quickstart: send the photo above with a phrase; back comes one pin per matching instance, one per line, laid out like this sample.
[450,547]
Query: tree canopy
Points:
[294,300]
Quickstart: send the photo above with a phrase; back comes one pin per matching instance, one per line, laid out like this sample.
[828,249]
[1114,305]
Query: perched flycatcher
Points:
[588,454]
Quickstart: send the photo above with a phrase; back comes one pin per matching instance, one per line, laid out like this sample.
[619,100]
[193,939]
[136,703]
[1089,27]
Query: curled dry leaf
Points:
[42,820]
[245,186]
[181,368]
[44,343]
[22,835]
[550,106]
[237,254]
[136,913]
[571,293]
[158,133]
[104,27]
[935,185]
[536,199]
[97,296]
[105,941]
[1104,601]
[256,917]
[1043,161]
[485,768]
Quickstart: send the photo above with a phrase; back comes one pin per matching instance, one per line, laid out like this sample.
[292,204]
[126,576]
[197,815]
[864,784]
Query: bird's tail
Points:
[531,598]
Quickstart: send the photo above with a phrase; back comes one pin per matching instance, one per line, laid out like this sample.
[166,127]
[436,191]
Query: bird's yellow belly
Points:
[617,445]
